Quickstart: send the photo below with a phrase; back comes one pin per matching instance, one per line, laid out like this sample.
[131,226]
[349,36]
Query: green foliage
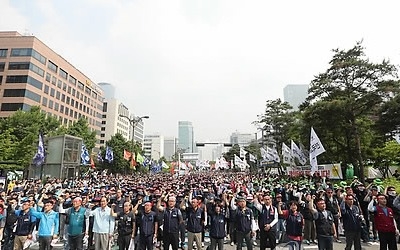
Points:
[117,143]
[80,128]
[343,102]
[276,121]
[391,182]
[20,132]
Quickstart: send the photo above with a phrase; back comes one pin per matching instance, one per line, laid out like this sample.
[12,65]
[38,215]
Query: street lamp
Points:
[133,122]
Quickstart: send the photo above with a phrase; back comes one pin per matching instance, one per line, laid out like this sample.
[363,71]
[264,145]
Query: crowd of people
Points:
[248,210]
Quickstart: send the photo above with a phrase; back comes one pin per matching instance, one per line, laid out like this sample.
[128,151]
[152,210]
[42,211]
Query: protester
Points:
[324,224]
[384,222]
[172,219]
[25,225]
[103,225]
[126,225]
[217,226]
[244,223]
[195,222]
[78,224]
[267,221]
[352,218]
[48,225]
[294,223]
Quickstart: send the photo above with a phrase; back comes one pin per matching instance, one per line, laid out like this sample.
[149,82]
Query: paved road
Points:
[336,246]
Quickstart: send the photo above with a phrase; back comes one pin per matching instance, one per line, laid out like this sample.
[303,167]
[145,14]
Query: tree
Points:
[21,132]
[276,121]
[119,165]
[80,128]
[350,91]
[387,156]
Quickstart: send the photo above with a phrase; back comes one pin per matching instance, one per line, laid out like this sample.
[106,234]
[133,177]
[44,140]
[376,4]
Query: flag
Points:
[164,165]
[242,153]
[139,158]
[272,155]
[298,153]
[99,157]
[397,137]
[240,163]
[40,155]
[182,166]
[85,157]
[264,154]
[286,154]
[147,162]
[127,155]
[109,154]
[191,167]
[223,163]
[92,165]
[252,158]
[316,148]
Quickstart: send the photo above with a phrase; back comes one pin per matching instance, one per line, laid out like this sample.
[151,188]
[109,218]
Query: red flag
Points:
[133,163]
[92,163]
[127,155]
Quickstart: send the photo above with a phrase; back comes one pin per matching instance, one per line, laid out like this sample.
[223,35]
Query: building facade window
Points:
[18,65]
[63,74]
[72,80]
[12,106]
[36,69]
[16,79]
[44,101]
[2,66]
[52,66]
[52,92]
[3,52]
[48,77]
[46,89]
[21,52]
[51,103]
[81,86]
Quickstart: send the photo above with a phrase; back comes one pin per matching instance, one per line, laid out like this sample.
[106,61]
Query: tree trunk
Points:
[359,154]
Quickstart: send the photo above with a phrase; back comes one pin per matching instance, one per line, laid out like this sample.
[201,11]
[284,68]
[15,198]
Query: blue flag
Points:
[109,154]
[39,157]
[85,157]
[99,157]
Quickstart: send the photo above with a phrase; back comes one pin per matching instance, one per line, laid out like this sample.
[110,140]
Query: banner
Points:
[331,171]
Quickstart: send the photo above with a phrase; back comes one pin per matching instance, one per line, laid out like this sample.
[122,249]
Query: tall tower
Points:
[186,136]
[295,94]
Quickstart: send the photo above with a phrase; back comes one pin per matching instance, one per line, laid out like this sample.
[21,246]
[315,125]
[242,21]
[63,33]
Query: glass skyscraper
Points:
[186,136]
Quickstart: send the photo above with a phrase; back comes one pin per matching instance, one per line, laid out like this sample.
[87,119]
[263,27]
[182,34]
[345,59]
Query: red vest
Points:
[384,223]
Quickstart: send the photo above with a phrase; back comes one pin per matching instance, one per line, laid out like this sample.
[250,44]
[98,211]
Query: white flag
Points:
[240,163]
[264,154]
[242,153]
[316,148]
[286,154]
[298,153]
[252,158]
[164,165]
[397,138]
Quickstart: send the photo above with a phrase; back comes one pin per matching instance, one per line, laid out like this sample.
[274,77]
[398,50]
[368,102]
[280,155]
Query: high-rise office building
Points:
[32,74]
[113,122]
[186,137]
[153,146]
[170,144]
[295,94]
[242,139]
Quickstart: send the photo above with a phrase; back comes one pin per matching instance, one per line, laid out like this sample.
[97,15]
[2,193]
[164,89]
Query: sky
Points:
[212,62]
